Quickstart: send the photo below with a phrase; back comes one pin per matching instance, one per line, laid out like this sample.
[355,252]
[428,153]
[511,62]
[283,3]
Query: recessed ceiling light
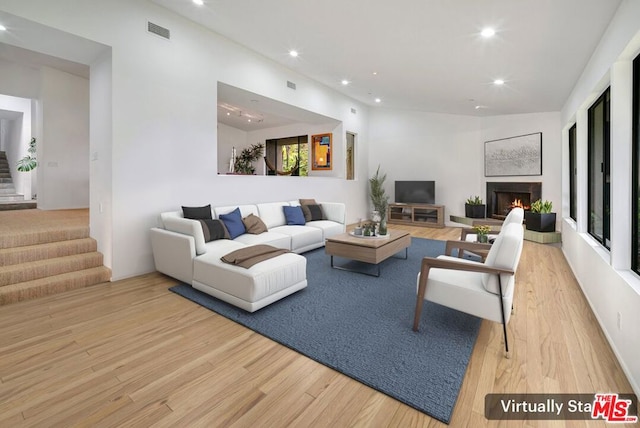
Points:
[378,100]
[198,2]
[488,32]
[293,53]
[345,82]
[3,28]
[498,82]
[375,73]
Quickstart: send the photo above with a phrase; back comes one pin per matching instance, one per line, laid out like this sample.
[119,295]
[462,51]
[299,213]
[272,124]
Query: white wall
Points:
[228,138]
[101,165]
[411,145]
[164,135]
[63,176]
[613,291]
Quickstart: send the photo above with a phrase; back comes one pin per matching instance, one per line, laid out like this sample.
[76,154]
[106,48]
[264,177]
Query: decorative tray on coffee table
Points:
[370,237]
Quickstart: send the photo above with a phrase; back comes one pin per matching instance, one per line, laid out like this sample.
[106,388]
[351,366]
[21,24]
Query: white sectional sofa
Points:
[180,251]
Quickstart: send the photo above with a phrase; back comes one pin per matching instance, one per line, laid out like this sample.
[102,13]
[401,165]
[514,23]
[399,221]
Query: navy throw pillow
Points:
[294,216]
[233,223]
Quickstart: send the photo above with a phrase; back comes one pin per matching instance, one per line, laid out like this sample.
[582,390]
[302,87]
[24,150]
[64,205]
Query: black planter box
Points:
[540,222]
[474,211]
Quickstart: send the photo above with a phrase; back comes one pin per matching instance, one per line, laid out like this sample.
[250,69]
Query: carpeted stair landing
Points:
[47,252]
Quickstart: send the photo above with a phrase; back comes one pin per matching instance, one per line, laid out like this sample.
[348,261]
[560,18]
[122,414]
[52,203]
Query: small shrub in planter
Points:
[474,208]
[540,218]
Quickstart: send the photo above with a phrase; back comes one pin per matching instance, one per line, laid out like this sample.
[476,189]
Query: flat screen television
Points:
[415,192]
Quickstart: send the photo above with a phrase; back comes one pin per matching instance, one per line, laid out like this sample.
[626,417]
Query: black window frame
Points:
[635,170]
[605,169]
[573,173]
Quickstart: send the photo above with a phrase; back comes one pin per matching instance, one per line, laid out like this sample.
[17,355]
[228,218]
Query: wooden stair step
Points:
[24,272]
[11,197]
[17,205]
[46,235]
[32,253]
[54,284]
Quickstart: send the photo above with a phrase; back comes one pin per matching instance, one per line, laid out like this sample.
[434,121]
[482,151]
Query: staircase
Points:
[9,199]
[47,252]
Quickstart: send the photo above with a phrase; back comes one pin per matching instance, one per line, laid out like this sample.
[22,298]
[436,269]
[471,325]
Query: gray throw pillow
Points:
[313,212]
[197,213]
[213,230]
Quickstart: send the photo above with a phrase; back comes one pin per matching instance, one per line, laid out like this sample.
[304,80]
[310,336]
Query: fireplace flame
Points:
[518,203]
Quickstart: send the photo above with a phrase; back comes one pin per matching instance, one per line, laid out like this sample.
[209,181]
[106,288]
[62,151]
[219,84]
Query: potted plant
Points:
[482,233]
[540,218]
[474,208]
[379,199]
[244,162]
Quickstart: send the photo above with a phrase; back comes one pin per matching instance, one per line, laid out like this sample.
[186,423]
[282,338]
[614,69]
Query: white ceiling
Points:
[428,54]
[262,112]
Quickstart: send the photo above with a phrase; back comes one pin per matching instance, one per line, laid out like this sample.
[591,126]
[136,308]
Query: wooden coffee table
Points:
[367,250]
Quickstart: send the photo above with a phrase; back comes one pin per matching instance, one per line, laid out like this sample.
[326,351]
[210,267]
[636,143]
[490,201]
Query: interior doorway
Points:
[351,156]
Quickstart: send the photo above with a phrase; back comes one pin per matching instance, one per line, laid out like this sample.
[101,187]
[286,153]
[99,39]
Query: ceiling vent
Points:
[158,30]
[353,111]
[291,85]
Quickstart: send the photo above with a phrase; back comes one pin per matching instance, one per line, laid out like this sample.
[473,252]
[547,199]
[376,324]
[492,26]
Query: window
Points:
[635,176]
[573,174]
[599,170]
[287,156]
[351,156]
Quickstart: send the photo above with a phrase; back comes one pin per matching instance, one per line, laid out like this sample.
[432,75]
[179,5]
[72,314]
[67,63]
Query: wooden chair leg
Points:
[504,322]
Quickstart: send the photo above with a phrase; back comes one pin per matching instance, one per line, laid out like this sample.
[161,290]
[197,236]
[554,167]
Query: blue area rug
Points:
[362,326]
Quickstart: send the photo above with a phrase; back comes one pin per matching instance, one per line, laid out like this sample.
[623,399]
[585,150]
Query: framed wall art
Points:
[521,155]
[321,152]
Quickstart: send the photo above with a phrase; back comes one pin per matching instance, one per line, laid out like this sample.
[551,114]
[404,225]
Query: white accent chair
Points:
[482,289]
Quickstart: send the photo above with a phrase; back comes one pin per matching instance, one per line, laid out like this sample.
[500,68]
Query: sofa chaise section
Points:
[254,288]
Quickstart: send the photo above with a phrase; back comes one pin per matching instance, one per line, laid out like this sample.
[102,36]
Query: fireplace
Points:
[502,197]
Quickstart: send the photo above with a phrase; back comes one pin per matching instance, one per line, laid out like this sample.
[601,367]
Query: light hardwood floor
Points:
[131,353]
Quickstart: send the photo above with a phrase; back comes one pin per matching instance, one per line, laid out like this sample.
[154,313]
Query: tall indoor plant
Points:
[379,198]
